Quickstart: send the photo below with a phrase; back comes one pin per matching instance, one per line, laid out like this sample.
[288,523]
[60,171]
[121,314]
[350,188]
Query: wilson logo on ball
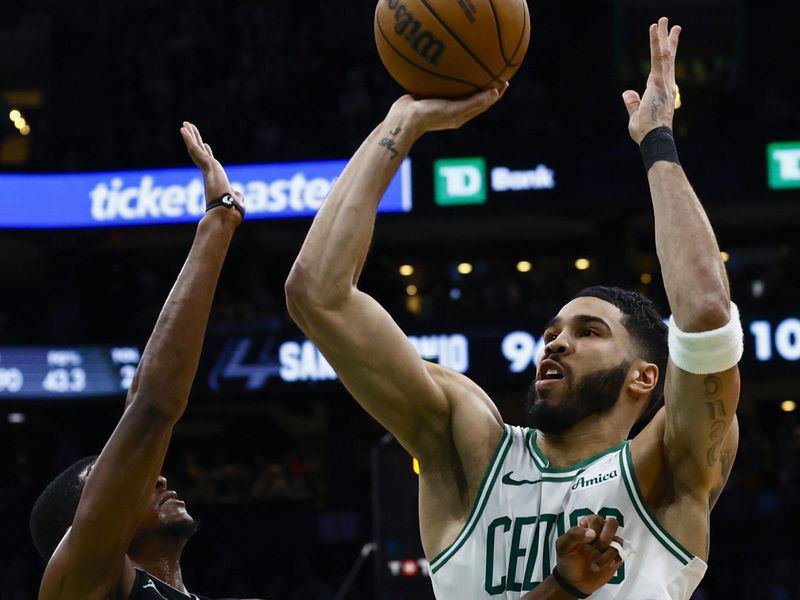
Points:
[451,48]
[408,26]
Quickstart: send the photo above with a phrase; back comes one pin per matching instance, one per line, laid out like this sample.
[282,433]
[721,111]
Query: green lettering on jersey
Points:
[528,583]
[517,552]
[619,577]
[553,525]
[548,537]
[491,588]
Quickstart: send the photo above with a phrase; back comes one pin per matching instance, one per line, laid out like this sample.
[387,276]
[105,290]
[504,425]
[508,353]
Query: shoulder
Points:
[64,578]
[463,393]
[474,427]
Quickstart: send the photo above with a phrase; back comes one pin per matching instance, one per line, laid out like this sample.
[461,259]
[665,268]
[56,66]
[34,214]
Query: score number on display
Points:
[35,372]
[770,342]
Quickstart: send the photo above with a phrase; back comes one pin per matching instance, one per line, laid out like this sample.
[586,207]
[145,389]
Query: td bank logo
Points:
[459,181]
[784,165]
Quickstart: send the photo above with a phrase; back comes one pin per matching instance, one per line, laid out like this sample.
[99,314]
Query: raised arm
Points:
[701,404]
[91,560]
[370,353]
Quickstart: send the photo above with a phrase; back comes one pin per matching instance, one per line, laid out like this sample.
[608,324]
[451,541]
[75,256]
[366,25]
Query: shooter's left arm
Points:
[700,408]
[700,405]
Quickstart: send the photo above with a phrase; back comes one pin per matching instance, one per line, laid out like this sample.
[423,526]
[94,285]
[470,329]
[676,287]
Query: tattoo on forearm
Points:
[717,416]
[654,106]
[389,143]
[390,146]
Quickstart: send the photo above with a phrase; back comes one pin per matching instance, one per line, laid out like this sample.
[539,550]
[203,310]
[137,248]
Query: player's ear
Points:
[642,378]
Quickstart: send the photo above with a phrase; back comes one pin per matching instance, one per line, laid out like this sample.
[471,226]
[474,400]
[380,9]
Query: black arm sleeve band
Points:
[658,145]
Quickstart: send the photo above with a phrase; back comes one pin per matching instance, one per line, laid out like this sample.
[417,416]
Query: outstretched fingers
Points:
[668,41]
[673,41]
[632,101]
[474,105]
[656,58]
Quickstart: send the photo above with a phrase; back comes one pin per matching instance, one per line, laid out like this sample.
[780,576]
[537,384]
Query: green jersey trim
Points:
[637,499]
[482,498]
[543,462]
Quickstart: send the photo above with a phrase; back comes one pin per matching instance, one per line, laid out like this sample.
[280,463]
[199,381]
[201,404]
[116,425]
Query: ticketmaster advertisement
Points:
[164,196]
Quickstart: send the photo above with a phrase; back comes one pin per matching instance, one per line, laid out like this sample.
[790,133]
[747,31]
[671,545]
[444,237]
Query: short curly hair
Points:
[647,328]
[55,508]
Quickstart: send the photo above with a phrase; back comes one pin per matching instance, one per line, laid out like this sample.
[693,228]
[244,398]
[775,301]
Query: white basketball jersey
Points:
[508,545]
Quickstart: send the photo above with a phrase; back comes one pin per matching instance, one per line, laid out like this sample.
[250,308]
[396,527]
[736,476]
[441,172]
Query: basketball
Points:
[450,48]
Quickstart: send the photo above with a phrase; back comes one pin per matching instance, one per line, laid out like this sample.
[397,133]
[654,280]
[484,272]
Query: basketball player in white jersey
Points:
[494,498]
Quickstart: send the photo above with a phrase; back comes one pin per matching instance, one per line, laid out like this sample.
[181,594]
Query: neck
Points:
[584,440]
[161,559]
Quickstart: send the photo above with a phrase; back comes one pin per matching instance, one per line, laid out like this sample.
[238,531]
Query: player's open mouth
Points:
[550,370]
[170,495]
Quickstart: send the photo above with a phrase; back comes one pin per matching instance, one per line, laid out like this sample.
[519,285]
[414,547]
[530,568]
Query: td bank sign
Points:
[784,165]
[461,181]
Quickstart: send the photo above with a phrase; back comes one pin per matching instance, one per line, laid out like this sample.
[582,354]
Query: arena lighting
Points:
[678,101]
[14,115]
[16,418]
[411,290]
[524,266]
[25,130]
[725,256]
[20,123]
[786,406]
[646,278]
[583,264]
[464,268]
[415,466]
[406,270]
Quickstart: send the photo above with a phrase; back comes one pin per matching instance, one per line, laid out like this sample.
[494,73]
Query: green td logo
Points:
[459,181]
[784,165]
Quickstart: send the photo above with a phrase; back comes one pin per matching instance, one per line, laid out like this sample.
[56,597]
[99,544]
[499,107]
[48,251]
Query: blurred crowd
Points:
[288,81]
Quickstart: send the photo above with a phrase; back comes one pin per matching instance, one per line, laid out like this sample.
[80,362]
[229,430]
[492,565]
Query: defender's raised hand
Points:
[214,176]
[657,107]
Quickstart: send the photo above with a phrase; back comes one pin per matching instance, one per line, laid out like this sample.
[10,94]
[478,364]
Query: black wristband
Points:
[228,201]
[658,145]
[566,586]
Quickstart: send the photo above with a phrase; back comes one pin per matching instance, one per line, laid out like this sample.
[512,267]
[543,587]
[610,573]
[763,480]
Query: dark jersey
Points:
[147,587]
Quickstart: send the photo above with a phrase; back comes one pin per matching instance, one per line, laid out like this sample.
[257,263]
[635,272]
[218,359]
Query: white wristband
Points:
[707,351]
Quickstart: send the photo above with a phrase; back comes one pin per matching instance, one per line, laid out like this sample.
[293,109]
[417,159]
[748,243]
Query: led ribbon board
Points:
[168,196]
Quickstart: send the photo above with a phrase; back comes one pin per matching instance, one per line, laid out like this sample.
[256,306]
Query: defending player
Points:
[494,498]
[128,529]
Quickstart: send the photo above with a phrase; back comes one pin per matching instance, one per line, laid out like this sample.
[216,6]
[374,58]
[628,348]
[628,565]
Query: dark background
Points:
[282,479]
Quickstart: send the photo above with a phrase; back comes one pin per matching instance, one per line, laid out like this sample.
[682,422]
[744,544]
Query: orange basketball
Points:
[448,48]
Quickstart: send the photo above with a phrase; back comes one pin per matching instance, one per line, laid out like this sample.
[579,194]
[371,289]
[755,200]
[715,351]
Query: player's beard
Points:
[593,394]
[181,529]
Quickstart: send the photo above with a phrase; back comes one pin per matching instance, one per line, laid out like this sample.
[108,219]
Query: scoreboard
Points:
[37,372]
[278,363]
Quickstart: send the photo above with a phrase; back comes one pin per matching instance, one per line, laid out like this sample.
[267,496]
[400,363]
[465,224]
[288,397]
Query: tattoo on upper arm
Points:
[389,143]
[726,464]
[718,417]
